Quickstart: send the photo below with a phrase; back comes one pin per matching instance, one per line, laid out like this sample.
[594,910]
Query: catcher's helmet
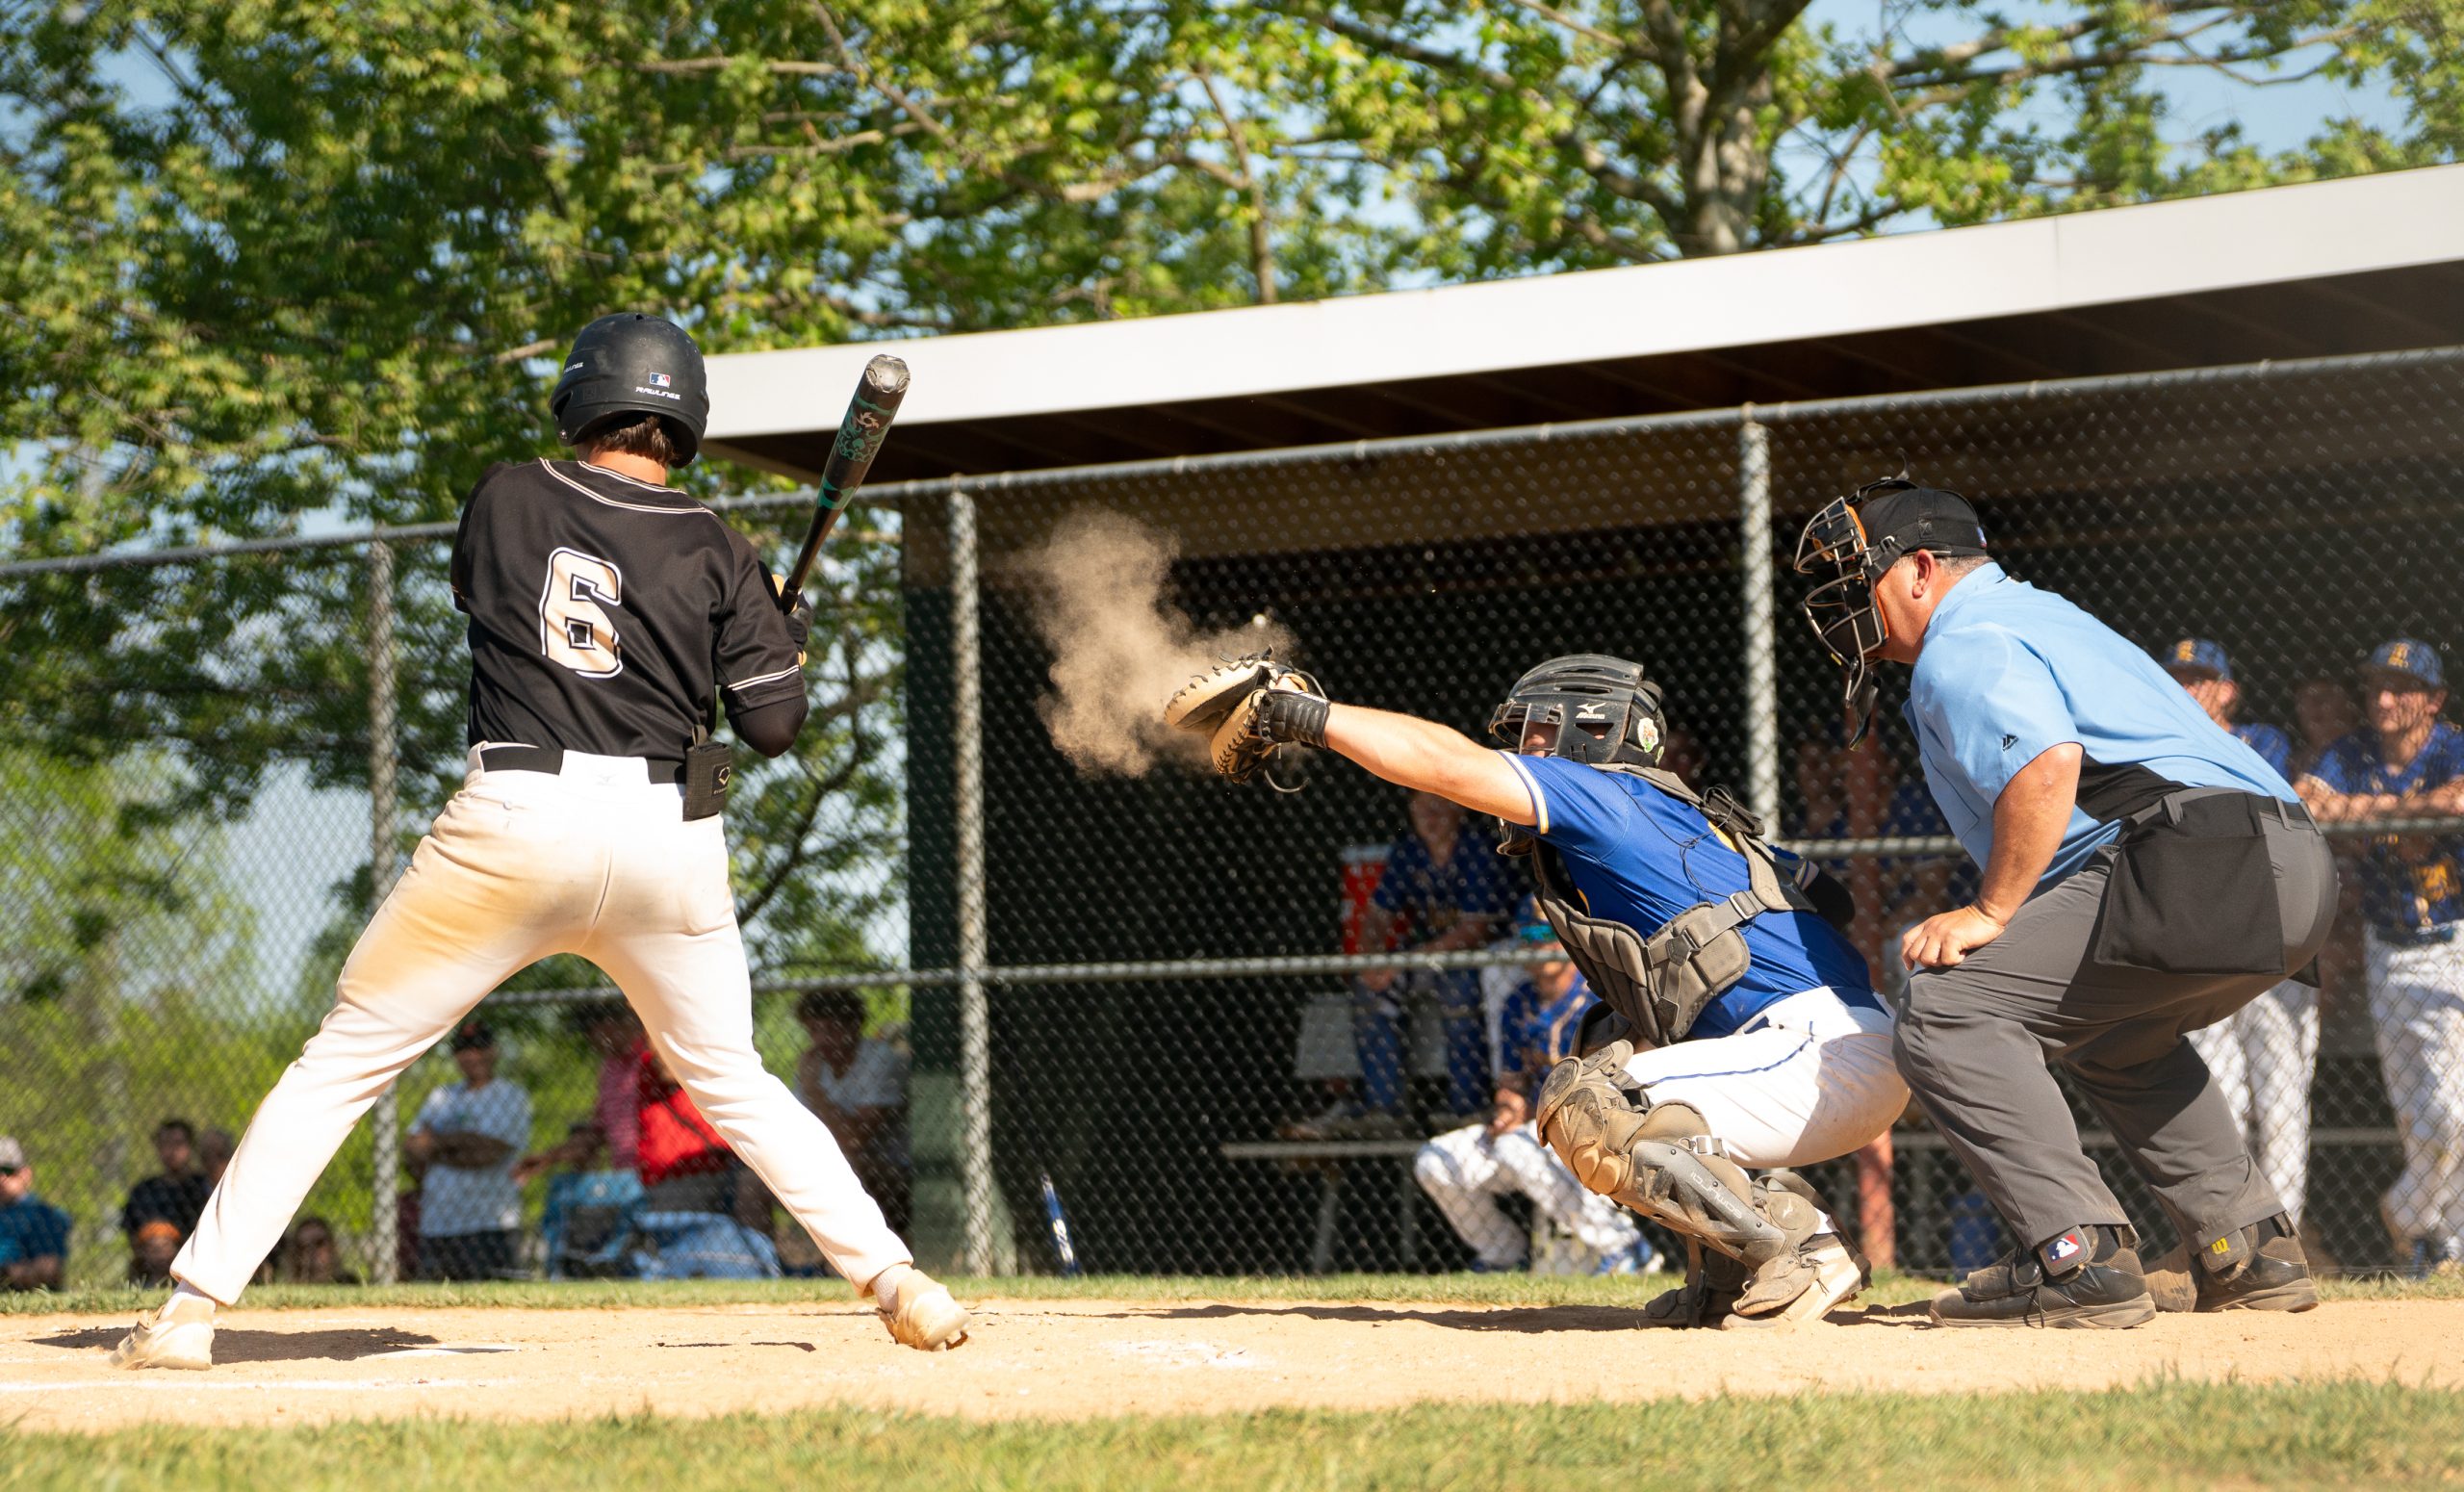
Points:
[633,364]
[1603,709]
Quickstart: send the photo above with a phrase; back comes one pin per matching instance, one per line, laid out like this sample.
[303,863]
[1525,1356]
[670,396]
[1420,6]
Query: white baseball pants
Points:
[597,863]
[2261,1057]
[1810,1079]
[2417,1006]
[1464,1171]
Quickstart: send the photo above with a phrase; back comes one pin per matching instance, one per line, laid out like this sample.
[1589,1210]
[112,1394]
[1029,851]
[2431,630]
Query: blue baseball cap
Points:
[1532,925]
[2408,655]
[2198,654]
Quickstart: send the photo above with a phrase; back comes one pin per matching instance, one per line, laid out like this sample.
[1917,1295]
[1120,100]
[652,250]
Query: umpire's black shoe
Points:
[2259,1268]
[2088,1276]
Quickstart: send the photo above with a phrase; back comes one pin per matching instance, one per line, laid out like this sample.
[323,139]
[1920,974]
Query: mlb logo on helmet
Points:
[658,380]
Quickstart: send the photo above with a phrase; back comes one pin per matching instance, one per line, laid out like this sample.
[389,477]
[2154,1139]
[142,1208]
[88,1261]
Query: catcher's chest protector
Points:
[1659,982]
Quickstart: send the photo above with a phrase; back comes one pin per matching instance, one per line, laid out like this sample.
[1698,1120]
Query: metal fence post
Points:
[385,1119]
[975,1033]
[1761,677]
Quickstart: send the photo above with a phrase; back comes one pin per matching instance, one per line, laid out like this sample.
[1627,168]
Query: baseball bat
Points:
[851,455]
[1058,1221]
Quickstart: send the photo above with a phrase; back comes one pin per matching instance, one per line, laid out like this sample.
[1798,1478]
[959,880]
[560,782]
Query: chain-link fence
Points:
[1203,1029]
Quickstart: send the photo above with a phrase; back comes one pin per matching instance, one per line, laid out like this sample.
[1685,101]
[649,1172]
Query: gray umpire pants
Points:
[1974,1041]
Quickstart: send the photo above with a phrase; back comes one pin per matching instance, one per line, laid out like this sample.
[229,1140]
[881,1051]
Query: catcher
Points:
[1740,1028]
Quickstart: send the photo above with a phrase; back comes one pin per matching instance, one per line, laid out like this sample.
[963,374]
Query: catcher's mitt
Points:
[1249,708]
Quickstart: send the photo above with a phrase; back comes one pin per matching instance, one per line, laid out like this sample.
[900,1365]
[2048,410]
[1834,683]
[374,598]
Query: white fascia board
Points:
[2126,253]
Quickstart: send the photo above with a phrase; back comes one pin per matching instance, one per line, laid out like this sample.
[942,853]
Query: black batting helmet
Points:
[1603,707]
[633,364]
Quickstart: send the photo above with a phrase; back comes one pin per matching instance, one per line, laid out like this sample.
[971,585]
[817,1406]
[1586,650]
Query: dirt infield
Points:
[1071,1358]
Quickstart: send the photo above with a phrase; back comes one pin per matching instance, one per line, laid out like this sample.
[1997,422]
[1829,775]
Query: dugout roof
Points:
[2365,264]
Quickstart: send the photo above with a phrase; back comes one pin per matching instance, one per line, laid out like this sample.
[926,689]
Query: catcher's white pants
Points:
[1464,1171]
[597,863]
[2261,1057]
[2417,1006]
[1810,1079]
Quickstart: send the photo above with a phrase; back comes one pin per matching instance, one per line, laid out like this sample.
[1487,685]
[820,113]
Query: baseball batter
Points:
[606,609]
[1747,1032]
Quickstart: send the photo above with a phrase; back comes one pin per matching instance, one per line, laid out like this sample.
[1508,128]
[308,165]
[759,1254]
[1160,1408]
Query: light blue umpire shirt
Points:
[2008,672]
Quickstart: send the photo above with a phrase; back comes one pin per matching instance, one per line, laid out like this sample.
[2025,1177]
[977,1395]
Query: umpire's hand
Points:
[1948,937]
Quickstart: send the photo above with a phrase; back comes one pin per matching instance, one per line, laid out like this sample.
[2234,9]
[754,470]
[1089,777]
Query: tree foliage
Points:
[269,261]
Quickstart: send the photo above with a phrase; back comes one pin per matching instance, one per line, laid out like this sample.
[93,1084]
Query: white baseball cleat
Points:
[924,1317]
[1839,1273]
[156,1342]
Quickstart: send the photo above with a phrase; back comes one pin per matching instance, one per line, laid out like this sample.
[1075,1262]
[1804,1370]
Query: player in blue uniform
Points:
[1442,890]
[1465,1170]
[2262,1054]
[1747,1033]
[2409,762]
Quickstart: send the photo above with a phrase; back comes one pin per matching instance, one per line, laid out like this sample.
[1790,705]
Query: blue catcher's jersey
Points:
[1640,856]
[2408,882]
[1534,1032]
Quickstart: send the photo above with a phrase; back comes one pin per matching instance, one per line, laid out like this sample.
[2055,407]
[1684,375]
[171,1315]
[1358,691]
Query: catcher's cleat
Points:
[922,1314]
[1835,1273]
[156,1342]
[2088,1276]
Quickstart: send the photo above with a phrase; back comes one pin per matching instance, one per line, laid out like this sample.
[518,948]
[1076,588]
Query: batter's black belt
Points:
[550,759]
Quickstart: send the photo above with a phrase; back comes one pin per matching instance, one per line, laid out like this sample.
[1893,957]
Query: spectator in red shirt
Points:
[615,1033]
[685,1164]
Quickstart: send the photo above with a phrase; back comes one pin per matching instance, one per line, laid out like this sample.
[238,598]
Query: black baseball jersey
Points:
[606,612]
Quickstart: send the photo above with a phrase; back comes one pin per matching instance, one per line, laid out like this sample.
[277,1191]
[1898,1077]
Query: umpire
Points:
[2145,874]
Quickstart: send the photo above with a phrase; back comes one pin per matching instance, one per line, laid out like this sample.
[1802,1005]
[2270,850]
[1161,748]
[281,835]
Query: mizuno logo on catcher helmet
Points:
[1604,709]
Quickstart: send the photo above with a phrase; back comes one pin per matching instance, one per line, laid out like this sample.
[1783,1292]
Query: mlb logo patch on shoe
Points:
[2064,1249]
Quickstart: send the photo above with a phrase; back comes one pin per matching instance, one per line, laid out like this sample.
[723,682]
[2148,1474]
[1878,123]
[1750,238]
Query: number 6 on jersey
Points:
[573,630]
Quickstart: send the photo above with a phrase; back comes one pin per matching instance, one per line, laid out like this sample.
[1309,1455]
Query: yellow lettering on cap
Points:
[2183,652]
[2396,655]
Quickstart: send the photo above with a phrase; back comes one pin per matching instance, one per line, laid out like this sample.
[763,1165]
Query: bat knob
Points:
[886,374]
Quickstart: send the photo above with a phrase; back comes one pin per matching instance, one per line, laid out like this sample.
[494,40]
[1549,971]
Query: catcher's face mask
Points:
[1593,709]
[1842,608]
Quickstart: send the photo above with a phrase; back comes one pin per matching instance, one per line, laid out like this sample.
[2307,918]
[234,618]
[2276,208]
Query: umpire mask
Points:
[1603,707]
[1852,543]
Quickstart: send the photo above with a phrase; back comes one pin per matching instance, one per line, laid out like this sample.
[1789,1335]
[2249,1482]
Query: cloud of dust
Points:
[1118,647]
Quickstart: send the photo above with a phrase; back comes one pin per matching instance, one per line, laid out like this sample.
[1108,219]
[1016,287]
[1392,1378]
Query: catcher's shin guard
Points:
[1662,1161]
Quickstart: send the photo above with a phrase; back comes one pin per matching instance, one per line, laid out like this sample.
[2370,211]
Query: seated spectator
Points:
[857,1085]
[685,1166]
[469,1135]
[1442,890]
[309,1256]
[1466,1171]
[704,1213]
[33,1234]
[609,1138]
[586,1220]
[162,1210]
[214,1148]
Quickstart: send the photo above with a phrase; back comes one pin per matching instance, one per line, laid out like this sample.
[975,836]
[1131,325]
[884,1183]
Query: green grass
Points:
[2161,1436]
[1888,1289]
